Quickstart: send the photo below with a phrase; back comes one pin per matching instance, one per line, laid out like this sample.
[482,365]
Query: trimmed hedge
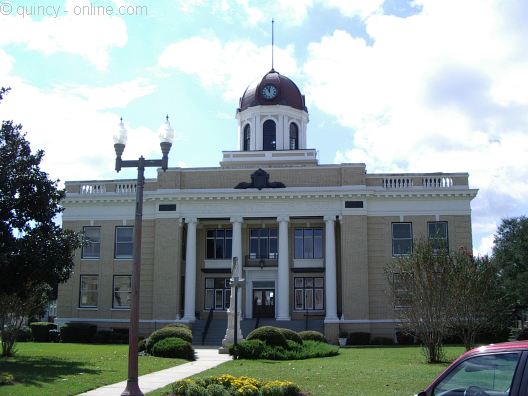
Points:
[270,335]
[312,335]
[257,349]
[114,336]
[24,334]
[358,338]
[54,335]
[381,341]
[173,347]
[40,331]
[166,332]
[404,338]
[78,332]
[291,335]
[182,325]
[523,334]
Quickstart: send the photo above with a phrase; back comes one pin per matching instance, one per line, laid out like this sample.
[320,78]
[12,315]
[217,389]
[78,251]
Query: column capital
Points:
[189,220]
[283,218]
[236,219]
[330,218]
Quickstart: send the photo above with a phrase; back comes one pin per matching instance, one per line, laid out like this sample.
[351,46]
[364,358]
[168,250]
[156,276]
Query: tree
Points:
[478,299]
[510,256]
[418,283]
[35,253]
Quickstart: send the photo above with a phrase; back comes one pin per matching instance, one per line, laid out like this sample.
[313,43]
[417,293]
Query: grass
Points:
[367,371]
[68,369]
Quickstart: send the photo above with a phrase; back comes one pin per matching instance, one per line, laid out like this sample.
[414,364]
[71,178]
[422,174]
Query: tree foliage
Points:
[510,256]
[439,293]
[35,253]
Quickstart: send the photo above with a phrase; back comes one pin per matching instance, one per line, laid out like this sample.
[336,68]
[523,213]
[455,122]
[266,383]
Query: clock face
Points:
[269,91]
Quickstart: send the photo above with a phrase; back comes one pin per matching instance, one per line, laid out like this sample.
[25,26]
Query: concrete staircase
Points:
[217,328]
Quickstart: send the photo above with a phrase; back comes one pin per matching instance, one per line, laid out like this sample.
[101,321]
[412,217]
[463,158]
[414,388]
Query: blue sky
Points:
[404,86]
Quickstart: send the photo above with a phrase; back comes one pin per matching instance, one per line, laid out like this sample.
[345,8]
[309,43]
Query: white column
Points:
[190,272]
[236,252]
[283,293]
[330,270]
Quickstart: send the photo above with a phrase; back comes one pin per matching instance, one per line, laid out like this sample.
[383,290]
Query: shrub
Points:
[279,388]
[181,325]
[493,335]
[358,338]
[257,349]
[78,332]
[114,336]
[523,334]
[40,330]
[291,335]
[6,378]
[166,332]
[216,390]
[54,335]
[404,338]
[270,335]
[24,334]
[120,335]
[173,347]
[381,341]
[312,335]
[343,334]
[142,345]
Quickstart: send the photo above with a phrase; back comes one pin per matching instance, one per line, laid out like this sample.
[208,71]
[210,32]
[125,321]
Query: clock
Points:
[269,91]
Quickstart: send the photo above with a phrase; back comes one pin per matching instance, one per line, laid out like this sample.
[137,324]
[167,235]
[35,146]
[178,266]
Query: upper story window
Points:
[124,242]
[308,243]
[91,248]
[88,291]
[263,243]
[218,244]
[269,136]
[437,234]
[294,136]
[402,239]
[247,137]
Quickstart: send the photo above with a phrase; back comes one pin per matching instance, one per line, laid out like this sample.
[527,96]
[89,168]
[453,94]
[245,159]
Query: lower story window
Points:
[88,291]
[309,293]
[217,294]
[122,291]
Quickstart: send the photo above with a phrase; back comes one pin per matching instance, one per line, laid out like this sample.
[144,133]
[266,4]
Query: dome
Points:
[272,89]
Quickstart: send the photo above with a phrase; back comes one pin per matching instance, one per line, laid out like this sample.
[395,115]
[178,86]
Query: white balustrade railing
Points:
[438,182]
[126,188]
[89,189]
[396,182]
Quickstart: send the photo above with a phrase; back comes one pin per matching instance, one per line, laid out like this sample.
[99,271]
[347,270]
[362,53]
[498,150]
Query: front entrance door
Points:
[264,303]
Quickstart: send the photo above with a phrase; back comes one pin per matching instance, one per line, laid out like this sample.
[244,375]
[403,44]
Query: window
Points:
[124,243]
[402,296]
[247,137]
[308,243]
[218,244]
[263,243]
[122,291]
[294,136]
[401,239]
[437,234]
[487,373]
[309,294]
[91,248]
[88,291]
[217,294]
[269,136]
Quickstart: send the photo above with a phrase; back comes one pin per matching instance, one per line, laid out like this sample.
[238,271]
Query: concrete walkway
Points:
[205,359]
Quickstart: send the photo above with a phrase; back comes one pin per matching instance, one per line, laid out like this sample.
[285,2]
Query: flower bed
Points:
[228,385]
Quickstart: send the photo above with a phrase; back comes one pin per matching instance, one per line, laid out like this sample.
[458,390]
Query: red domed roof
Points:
[288,93]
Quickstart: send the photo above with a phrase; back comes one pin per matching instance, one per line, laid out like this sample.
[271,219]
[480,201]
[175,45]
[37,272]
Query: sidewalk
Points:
[205,359]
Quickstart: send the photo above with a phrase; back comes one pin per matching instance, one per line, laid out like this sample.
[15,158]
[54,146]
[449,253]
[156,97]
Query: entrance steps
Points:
[217,328]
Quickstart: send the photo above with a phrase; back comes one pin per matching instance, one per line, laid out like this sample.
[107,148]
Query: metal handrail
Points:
[207,324]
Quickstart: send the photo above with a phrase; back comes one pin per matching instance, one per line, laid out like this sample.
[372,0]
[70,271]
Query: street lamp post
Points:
[166,136]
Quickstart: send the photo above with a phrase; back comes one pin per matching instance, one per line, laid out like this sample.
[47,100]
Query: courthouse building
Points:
[312,239]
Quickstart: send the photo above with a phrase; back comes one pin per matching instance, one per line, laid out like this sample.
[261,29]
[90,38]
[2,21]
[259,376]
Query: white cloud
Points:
[89,36]
[229,65]
[437,91]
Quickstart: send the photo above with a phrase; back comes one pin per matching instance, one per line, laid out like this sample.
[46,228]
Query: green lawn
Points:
[68,369]
[369,371]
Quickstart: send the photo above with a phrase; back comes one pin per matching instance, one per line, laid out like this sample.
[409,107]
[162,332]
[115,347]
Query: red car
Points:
[493,370]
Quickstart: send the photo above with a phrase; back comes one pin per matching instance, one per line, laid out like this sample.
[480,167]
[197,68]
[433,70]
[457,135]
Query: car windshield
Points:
[480,375]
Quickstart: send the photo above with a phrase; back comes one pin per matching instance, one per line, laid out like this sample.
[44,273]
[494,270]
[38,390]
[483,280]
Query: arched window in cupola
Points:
[247,137]
[269,139]
[294,136]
